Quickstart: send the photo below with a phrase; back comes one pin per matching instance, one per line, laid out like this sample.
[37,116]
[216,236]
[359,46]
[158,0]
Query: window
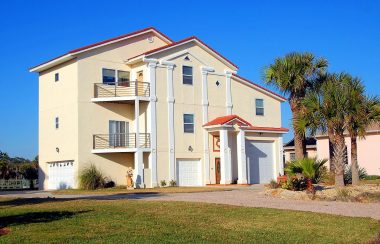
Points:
[187,75]
[109,76]
[56,77]
[122,76]
[188,123]
[259,107]
[56,122]
[292,156]
[118,133]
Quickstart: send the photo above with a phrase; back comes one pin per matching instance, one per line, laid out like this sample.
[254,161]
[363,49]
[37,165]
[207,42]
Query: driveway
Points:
[248,197]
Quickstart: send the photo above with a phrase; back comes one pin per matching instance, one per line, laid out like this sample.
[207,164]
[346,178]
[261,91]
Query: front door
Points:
[217,170]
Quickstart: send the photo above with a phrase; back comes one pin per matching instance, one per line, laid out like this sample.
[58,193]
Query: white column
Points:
[241,157]
[228,93]
[205,103]
[138,176]
[225,158]
[280,162]
[152,64]
[170,99]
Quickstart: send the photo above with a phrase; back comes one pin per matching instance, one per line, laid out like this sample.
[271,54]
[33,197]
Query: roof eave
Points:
[52,63]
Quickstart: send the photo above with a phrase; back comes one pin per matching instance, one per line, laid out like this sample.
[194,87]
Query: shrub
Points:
[172,183]
[348,174]
[109,184]
[163,183]
[310,168]
[343,194]
[91,178]
[372,177]
[273,184]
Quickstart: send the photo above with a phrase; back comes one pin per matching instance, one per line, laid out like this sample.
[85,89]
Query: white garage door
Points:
[61,175]
[260,160]
[188,172]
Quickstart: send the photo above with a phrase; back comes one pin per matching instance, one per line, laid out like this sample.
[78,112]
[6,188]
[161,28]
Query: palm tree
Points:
[363,111]
[294,75]
[326,111]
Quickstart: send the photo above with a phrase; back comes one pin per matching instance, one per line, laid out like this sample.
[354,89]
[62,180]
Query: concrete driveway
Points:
[248,197]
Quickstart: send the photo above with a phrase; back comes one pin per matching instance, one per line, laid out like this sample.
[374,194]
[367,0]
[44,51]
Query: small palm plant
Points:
[310,168]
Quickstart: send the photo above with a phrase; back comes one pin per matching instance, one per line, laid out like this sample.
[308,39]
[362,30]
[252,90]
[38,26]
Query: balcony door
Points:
[118,133]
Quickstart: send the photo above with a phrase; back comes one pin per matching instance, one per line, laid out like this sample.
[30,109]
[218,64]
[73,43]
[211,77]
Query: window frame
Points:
[116,76]
[257,107]
[56,122]
[186,123]
[56,77]
[185,75]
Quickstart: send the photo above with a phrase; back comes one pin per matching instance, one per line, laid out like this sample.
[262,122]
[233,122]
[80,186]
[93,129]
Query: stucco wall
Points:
[368,152]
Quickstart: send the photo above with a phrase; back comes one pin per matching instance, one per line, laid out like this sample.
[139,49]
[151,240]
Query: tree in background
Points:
[295,75]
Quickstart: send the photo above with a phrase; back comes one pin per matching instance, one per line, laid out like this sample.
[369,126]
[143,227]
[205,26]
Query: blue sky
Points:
[250,33]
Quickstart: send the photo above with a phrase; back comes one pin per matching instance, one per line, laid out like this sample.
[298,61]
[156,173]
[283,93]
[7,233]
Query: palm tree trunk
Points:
[299,138]
[339,151]
[354,161]
[332,142]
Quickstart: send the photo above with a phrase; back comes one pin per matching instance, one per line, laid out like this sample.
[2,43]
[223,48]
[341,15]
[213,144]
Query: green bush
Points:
[343,194]
[273,184]
[91,178]
[163,183]
[172,183]
[348,174]
[372,177]
[310,168]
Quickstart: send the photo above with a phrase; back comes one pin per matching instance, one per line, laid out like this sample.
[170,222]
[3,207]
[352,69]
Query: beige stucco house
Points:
[368,149]
[170,110]
[290,153]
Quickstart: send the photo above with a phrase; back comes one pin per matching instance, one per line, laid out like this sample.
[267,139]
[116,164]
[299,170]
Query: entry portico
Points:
[238,147]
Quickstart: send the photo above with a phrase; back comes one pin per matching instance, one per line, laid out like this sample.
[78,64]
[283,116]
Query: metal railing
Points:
[120,140]
[122,89]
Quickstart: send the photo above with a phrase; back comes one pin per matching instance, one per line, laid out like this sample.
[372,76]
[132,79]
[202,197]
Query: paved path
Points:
[248,197]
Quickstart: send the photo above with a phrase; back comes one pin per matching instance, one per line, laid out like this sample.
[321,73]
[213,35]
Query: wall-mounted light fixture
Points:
[57,149]
[190,149]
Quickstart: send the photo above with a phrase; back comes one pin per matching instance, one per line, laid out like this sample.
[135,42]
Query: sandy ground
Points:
[253,196]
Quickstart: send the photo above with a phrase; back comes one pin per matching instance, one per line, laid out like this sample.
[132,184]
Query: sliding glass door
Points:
[118,133]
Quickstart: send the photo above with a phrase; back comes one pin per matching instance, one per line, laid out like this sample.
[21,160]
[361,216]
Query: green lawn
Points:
[119,221]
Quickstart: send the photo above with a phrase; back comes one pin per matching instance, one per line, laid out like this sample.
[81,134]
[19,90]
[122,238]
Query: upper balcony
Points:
[120,142]
[126,91]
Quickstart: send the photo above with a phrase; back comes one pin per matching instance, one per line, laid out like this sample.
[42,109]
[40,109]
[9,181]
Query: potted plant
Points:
[129,178]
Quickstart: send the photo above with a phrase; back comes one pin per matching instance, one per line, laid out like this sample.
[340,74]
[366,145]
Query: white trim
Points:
[229,104]
[217,56]
[280,156]
[152,64]
[267,131]
[218,126]
[138,172]
[171,100]
[114,99]
[119,150]
[225,158]
[241,158]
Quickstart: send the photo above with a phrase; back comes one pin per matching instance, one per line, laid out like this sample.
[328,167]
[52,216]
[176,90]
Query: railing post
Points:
[93,142]
[115,89]
[136,89]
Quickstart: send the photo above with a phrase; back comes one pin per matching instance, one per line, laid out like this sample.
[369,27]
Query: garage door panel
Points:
[61,175]
[188,172]
[260,161]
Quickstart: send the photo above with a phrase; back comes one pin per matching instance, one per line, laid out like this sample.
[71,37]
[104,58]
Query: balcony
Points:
[121,92]
[126,142]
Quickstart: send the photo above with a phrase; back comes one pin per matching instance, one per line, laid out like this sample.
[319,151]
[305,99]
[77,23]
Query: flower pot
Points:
[281,179]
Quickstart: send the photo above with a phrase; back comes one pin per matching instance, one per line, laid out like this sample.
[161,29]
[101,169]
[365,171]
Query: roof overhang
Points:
[185,41]
[73,53]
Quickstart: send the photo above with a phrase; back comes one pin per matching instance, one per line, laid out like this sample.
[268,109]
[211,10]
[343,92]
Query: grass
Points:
[371,182]
[123,190]
[115,221]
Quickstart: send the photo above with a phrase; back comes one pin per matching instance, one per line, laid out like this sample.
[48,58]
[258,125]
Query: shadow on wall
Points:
[253,159]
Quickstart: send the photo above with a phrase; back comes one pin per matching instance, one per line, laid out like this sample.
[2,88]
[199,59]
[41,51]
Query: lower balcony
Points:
[123,142]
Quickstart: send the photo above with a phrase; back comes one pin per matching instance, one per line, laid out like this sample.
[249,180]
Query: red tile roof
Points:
[267,128]
[225,120]
[106,41]
[182,41]
[277,95]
